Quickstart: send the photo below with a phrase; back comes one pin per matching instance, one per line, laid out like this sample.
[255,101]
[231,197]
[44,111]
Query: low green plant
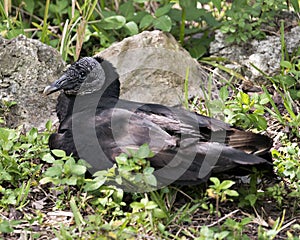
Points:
[250,194]
[289,76]
[278,193]
[64,171]
[220,191]
[246,111]
[276,228]
[236,228]
[132,172]
[135,169]
[5,107]
[284,84]
[286,160]
[240,109]
[19,162]
[244,19]
[147,209]
[7,226]
[207,233]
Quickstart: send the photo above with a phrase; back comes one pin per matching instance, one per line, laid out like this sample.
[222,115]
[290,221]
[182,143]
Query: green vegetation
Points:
[46,196]
[86,27]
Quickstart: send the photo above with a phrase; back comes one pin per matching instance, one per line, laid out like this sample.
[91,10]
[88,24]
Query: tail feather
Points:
[249,142]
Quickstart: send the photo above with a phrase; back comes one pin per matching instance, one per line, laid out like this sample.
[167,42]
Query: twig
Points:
[183,193]
[223,218]
[287,225]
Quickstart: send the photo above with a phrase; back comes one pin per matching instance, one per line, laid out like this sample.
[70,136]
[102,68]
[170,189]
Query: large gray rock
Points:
[152,67]
[26,67]
[264,54]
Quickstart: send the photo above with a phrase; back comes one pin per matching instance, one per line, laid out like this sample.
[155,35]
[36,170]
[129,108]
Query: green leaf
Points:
[150,180]
[221,235]
[163,23]
[59,153]
[245,221]
[175,14]
[136,205]
[136,178]
[226,184]
[29,5]
[231,193]
[286,64]
[32,135]
[163,10]
[188,3]
[158,213]
[215,180]
[252,198]
[118,180]
[262,123]
[78,217]
[6,134]
[60,6]
[132,28]
[9,104]
[46,180]
[5,227]
[143,151]
[70,181]
[122,159]
[54,171]
[48,158]
[7,145]
[69,165]
[138,16]
[244,97]
[197,51]
[49,125]
[78,169]
[264,99]
[224,93]
[150,205]
[146,21]
[95,184]
[295,4]
[288,81]
[127,10]
[194,14]
[217,4]
[148,170]
[113,22]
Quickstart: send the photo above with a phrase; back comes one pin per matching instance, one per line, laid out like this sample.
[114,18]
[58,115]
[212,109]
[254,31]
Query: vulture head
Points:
[87,75]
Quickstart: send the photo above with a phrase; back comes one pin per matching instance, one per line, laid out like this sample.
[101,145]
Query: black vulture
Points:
[97,126]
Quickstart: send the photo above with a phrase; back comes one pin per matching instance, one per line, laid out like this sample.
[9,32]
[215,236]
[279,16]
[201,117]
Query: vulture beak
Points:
[54,87]
[50,89]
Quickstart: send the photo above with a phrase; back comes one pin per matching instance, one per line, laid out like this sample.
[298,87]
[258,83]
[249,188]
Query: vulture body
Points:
[97,126]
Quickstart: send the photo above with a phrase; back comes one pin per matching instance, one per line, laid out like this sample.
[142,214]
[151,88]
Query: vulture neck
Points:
[106,97]
[97,99]
[112,91]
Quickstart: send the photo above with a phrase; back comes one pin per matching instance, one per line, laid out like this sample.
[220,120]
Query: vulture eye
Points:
[82,75]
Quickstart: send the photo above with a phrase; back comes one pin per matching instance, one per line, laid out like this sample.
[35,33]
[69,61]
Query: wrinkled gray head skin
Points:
[82,77]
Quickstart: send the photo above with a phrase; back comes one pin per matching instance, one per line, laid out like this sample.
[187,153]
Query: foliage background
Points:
[41,196]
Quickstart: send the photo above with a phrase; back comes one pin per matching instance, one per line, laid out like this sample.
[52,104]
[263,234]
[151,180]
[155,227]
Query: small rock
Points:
[26,67]
[264,54]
